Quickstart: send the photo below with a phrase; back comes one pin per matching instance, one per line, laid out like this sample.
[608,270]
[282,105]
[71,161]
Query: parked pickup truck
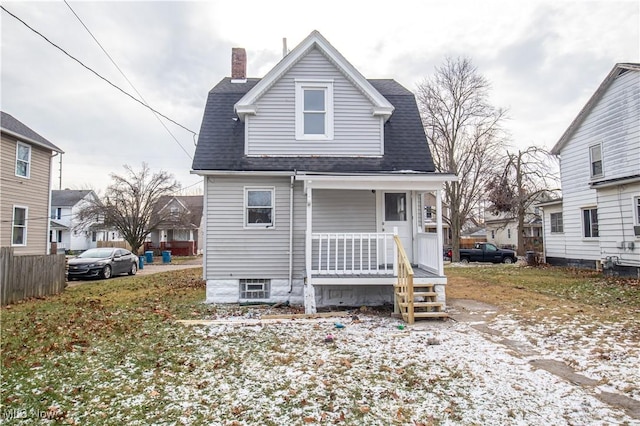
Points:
[487,252]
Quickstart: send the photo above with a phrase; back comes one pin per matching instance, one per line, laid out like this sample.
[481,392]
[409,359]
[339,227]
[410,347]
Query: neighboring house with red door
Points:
[314,179]
[25,187]
[179,228]
[596,224]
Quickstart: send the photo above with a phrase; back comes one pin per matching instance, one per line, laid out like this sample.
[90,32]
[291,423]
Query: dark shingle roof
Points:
[221,140]
[11,124]
[67,197]
[194,203]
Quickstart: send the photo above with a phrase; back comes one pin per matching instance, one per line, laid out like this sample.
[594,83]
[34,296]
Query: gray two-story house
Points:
[313,184]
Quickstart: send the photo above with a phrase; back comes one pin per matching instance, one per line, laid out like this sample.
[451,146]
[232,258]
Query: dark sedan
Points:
[103,263]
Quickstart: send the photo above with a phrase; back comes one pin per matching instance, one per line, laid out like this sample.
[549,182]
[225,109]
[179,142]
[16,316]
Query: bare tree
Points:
[128,204]
[464,134]
[528,177]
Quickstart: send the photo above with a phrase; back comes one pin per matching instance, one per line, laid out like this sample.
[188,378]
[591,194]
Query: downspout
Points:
[291,232]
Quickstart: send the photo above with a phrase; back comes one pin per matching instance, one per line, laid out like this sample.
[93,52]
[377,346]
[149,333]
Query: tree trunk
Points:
[520,230]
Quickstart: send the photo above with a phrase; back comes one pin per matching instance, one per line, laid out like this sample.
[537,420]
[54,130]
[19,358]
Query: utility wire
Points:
[125,77]
[95,73]
[32,219]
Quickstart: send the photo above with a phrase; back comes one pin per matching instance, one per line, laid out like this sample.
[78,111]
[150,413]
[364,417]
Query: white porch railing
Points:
[353,253]
[429,253]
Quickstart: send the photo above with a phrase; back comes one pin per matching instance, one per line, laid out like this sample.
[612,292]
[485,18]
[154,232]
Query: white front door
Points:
[396,213]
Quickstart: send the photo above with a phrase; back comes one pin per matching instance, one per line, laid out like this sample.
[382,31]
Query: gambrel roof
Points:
[14,127]
[617,70]
[221,140]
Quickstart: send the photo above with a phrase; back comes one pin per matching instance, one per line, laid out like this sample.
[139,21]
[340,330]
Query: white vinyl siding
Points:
[344,211]
[272,131]
[613,123]
[236,252]
[554,243]
[617,215]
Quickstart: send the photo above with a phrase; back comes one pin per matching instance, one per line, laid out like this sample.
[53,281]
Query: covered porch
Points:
[396,250]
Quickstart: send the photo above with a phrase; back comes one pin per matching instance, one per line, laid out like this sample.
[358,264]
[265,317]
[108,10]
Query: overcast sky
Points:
[544,59]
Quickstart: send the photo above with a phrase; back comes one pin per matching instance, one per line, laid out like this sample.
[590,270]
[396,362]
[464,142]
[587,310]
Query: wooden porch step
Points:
[418,285]
[422,304]
[419,294]
[431,315]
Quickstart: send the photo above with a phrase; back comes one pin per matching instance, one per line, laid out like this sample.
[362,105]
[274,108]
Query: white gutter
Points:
[239,172]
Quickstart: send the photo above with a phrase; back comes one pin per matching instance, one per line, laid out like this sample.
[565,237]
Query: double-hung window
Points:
[556,223]
[23,160]
[595,158]
[590,223]
[314,110]
[19,228]
[259,207]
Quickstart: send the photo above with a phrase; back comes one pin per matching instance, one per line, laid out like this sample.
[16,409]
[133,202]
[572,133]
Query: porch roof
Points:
[381,181]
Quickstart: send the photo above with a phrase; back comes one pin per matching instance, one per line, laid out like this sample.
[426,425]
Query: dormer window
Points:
[314,110]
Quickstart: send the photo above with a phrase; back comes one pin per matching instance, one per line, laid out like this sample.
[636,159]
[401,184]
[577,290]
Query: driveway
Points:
[150,269]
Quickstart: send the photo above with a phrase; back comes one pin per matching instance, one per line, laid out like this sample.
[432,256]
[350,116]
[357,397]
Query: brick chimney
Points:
[238,63]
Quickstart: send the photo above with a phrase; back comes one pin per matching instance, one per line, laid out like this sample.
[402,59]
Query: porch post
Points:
[439,227]
[309,293]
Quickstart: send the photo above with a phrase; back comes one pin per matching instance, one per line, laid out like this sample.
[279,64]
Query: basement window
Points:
[255,288]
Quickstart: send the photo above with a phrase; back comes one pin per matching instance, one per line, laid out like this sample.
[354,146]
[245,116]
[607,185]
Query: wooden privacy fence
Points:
[29,275]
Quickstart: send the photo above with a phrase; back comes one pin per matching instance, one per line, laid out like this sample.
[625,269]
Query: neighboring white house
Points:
[308,172]
[64,231]
[502,229]
[597,221]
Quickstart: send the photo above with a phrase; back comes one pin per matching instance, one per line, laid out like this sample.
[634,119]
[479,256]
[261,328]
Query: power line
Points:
[95,73]
[125,77]
[32,219]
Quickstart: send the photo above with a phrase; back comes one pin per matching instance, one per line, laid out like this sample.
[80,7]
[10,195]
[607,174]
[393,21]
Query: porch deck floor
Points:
[417,273]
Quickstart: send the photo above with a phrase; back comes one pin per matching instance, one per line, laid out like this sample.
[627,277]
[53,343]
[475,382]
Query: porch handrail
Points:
[352,253]
[405,278]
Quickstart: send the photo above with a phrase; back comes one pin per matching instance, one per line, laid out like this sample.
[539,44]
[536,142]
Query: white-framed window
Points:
[557,226]
[508,232]
[259,207]
[255,288]
[595,159]
[590,223]
[493,234]
[19,226]
[23,160]
[56,213]
[314,109]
